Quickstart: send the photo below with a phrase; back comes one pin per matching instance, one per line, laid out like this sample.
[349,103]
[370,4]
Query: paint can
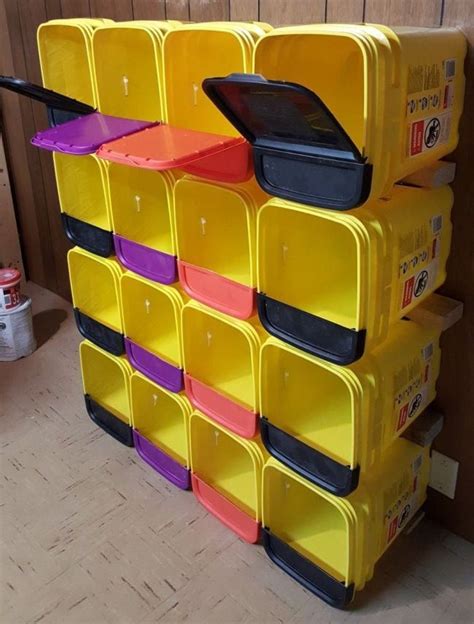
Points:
[17,339]
[9,289]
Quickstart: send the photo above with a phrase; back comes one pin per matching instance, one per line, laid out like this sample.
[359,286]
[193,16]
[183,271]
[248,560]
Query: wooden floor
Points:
[92,535]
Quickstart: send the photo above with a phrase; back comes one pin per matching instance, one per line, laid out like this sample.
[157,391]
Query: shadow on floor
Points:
[47,323]
[412,570]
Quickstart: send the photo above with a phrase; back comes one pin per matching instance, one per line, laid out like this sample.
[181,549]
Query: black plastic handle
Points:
[307,573]
[311,464]
[45,96]
[313,334]
[108,339]
[108,422]
[89,237]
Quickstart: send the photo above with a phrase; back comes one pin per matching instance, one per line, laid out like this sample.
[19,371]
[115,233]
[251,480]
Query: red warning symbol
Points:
[402,418]
[392,529]
[408,291]
[416,139]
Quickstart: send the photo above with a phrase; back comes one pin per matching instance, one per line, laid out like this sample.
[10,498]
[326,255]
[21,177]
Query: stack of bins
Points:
[65,50]
[215,226]
[128,70]
[256,349]
[118,68]
[148,194]
[343,256]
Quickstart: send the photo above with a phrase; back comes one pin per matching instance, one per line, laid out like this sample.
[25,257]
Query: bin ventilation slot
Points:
[301,152]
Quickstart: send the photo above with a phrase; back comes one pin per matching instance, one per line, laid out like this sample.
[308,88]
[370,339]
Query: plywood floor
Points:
[91,535]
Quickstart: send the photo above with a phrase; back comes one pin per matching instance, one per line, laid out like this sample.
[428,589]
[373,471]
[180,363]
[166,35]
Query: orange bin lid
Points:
[164,147]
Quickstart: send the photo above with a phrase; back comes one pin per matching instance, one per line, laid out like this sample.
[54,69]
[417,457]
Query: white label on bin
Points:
[430,88]
[424,134]
[418,271]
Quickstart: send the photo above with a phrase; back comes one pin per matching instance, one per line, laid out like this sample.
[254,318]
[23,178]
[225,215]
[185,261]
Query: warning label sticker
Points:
[419,269]
[411,386]
[401,510]
[427,133]
[416,285]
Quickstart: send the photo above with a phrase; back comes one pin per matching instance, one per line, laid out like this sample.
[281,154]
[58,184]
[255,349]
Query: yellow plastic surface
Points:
[83,188]
[106,378]
[222,352]
[374,80]
[161,417]
[152,316]
[349,267]
[215,227]
[346,536]
[228,463]
[216,49]
[352,414]
[128,69]
[95,286]
[65,51]
[141,204]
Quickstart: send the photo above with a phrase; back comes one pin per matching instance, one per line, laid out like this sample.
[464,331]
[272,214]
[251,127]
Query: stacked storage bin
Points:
[249,339]
[342,256]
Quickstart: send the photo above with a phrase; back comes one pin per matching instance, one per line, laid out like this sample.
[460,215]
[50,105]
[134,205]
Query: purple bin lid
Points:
[86,134]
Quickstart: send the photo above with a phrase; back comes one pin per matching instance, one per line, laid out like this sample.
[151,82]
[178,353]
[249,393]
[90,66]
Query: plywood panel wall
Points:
[37,205]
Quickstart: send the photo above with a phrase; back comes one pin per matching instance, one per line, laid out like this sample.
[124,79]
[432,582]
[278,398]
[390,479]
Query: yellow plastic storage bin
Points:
[330,545]
[152,326]
[216,49]
[83,197]
[95,287]
[65,52]
[333,283]
[106,382]
[226,476]
[221,367]
[128,69]
[215,235]
[142,215]
[381,104]
[161,425]
[330,423]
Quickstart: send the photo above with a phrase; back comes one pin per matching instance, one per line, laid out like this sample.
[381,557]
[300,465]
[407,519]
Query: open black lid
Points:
[50,98]
[301,151]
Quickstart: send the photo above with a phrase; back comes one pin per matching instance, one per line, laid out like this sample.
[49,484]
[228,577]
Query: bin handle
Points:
[112,425]
[48,97]
[311,464]
[311,576]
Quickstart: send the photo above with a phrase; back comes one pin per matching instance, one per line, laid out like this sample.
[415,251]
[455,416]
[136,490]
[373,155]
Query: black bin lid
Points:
[61,108]
[301,151]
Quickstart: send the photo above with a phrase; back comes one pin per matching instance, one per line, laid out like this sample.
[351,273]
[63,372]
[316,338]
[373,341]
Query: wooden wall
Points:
[45,246]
